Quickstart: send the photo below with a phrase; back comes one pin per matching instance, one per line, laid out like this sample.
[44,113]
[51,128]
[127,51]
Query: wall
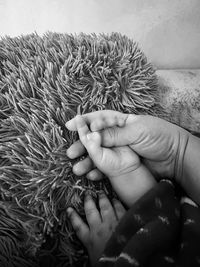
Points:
[167,30]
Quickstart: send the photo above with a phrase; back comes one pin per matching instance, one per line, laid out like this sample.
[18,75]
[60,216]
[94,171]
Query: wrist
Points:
[124,186]
[125,174]
[132,185]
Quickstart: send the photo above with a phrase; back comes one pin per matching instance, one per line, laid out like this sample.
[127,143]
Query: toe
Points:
[79,226]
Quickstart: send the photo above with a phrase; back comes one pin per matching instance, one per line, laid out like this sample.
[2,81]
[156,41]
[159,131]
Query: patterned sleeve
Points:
[156,231]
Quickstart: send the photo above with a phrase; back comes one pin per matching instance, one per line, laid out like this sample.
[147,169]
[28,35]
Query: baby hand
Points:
[129,178]
[113,162]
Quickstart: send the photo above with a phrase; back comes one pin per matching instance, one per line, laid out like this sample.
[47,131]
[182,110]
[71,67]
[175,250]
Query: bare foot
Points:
[101,224]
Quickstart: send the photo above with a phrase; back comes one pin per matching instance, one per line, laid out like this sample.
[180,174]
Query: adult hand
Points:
[160,144]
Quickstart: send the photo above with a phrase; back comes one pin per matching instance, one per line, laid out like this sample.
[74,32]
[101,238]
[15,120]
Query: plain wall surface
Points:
[168,31]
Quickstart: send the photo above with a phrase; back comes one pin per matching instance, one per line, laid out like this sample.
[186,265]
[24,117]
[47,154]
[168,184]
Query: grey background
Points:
[167,30]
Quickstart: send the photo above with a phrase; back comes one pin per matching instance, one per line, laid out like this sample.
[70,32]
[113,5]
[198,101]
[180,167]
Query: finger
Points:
[83,130]
[76,150]
[113,136]
[119,208]
[91,211]
[117,136]
[106,209]
[95,116]
[79,226]
[112,119]
[71,125]
[97,125]
[95,175]
[91,140]
[82,167]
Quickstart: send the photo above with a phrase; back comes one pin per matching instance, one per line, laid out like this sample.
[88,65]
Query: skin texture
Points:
[168,150]
[128,176]
[160,144]
[100,224]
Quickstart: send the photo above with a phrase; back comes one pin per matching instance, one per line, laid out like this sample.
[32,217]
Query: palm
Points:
[118,160]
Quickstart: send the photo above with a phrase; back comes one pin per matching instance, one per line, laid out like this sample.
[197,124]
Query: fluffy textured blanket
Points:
[44,81]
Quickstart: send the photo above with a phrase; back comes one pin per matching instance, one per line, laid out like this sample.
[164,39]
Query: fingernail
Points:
[121,122]
[87,195]
[69,154]
[93,136]
[91,176]
[66,124]
[102,194]
[69,211]
[76,169]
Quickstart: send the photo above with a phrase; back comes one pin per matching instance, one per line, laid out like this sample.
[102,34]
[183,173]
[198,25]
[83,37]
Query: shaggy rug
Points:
[44,82]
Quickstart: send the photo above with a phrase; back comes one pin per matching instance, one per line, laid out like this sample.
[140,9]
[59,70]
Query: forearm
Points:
[190,180]
[131,186]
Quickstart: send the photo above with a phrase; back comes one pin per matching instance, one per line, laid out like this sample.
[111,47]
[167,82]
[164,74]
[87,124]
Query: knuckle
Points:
[111,121]
[100,232]
[93,126]
[97,125]
[115,119]
[135,160]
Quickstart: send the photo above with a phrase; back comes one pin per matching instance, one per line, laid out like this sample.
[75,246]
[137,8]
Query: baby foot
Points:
[101,224]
